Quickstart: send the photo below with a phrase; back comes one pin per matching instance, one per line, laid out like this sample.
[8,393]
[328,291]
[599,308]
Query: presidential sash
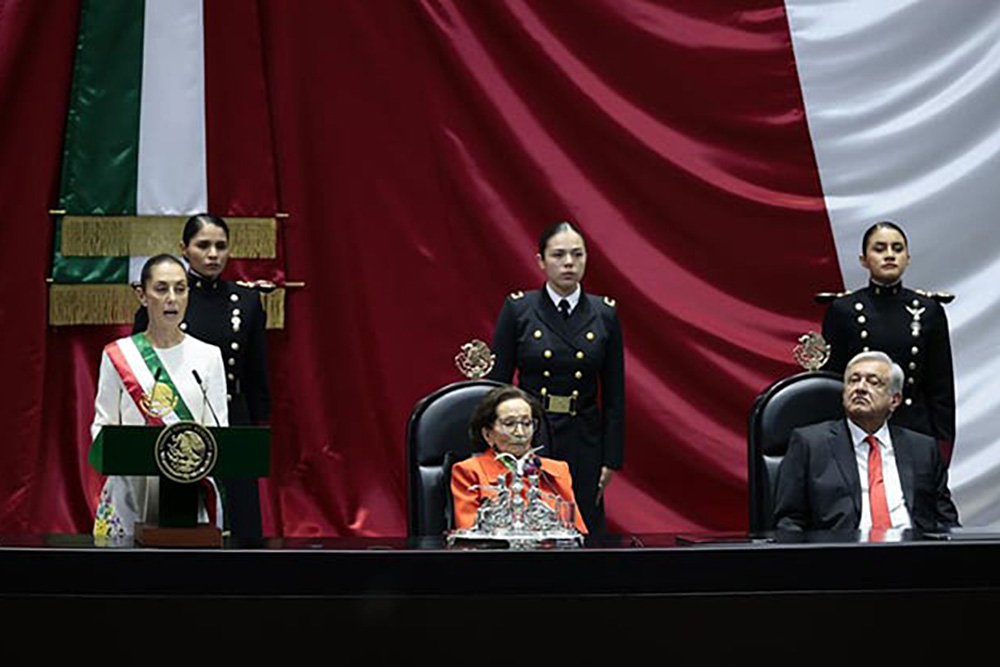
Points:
[134,358]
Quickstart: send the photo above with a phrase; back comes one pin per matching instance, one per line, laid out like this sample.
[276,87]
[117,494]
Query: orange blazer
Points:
[484,469]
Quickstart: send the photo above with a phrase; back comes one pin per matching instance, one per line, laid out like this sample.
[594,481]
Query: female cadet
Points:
[231,317]
[908,325]
[566,346]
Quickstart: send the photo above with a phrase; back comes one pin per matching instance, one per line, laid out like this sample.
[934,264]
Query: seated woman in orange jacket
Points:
[505,421]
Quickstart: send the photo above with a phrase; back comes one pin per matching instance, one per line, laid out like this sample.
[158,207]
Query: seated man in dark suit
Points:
[861,472]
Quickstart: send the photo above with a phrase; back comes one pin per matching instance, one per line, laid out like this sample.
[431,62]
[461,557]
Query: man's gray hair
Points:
[896,375]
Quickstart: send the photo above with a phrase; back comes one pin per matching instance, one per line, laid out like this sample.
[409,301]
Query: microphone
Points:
[204,393]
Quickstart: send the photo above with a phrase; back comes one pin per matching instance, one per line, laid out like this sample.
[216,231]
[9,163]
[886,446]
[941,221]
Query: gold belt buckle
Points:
[563,405]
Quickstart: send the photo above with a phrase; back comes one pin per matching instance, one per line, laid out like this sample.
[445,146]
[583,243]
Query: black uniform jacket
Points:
[912,328]
[230,317]
[819,488]
[580,356]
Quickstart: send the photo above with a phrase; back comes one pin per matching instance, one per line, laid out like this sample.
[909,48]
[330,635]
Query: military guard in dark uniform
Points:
[908,325]
[567,348]
[231,317]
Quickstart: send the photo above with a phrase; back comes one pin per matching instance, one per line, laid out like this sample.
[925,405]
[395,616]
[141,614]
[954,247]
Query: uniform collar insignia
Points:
[878,289]
[198,281]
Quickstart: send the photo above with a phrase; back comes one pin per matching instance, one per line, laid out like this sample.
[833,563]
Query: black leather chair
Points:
[799,400]
[437,436]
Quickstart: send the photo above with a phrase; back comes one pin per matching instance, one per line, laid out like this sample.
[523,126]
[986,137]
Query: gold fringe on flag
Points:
[253,238]
[71,305]
[274,308]
[91,304]
[144,235]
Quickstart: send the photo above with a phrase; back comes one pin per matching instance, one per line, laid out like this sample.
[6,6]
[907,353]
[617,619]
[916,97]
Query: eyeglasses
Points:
[511,424]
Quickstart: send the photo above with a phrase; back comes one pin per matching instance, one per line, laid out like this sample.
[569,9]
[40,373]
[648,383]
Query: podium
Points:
[243,451]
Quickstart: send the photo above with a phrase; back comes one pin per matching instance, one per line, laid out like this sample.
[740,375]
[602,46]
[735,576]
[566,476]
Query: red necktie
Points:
[876,487]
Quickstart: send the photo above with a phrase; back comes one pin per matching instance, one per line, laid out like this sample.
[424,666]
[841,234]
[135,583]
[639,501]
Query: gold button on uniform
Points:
[864,334]
[578,375]
[538,333]
[579,354]
[235,345]
[547,354]
[590,335]
[576,392]
[547,374]
[543,391]
[232,362]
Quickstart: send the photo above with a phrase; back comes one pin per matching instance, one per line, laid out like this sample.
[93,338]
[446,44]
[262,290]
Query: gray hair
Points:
[896,375]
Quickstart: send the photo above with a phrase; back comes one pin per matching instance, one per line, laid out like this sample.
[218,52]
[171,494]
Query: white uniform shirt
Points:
[556,297]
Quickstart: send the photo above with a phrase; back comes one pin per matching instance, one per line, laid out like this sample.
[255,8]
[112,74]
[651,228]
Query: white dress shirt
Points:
[556,297]
[898,513]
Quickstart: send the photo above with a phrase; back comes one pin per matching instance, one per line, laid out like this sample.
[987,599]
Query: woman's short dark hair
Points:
[884,224]
[557,228]
[147,268]
[485,413]
[198,222]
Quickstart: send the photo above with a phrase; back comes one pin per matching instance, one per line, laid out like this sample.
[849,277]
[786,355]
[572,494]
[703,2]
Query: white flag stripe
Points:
[135,264]
[901,98]
[173,171]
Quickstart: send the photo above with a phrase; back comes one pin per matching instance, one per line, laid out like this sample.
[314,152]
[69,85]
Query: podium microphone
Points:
[204,393]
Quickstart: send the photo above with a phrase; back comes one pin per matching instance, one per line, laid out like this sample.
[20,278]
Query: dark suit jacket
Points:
[818,487]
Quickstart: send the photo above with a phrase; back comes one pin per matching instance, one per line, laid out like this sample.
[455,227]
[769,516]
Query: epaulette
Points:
[829,297]
[265,286]
[940,297]
[514,296]
[609,302]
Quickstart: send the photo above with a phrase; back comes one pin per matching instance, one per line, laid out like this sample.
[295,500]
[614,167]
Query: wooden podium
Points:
[243,451]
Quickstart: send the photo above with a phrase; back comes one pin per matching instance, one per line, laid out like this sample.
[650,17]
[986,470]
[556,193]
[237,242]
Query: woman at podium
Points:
[505,423]
[157,377]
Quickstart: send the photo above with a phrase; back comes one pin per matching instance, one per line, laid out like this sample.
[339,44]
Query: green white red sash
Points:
[140,368]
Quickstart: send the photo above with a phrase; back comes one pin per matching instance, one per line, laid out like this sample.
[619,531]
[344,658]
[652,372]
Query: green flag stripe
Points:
[68,270]
[153,363]
[101,152]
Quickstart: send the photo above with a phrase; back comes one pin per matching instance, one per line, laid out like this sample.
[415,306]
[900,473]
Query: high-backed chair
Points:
[799,400]
[437,436]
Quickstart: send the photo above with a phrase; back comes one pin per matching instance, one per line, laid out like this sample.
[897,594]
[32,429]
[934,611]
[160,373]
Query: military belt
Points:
[560,405]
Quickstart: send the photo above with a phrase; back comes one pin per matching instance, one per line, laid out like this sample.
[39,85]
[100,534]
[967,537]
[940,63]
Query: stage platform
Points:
[696,584]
